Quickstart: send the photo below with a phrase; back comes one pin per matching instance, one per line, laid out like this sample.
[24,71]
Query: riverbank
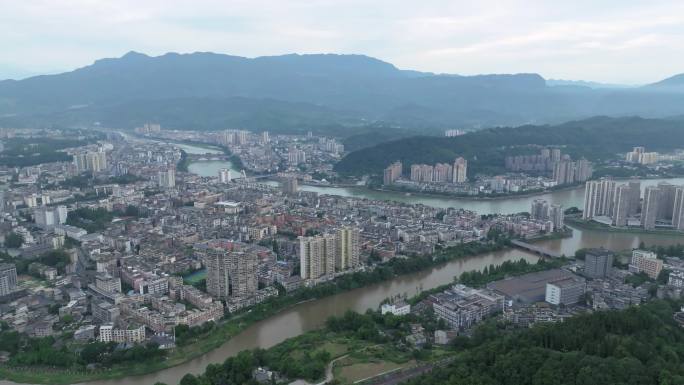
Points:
[565,233]
[312,356]
[232,158]
[183,163]
[595,226]
[227,329]
[499,197]
[467,197]
[311,315]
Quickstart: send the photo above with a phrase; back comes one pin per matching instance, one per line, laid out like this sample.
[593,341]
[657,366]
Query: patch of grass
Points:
[355,371]
[336,349]
[195,277]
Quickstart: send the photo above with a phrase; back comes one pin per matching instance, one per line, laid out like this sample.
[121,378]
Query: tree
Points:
[663,276]
[189,379]
[14,240]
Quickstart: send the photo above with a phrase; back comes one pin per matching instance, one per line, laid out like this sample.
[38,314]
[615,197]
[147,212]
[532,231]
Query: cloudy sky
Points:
[613,41]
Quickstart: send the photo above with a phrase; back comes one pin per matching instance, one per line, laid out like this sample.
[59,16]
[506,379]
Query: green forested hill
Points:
[485,150]
[639,346]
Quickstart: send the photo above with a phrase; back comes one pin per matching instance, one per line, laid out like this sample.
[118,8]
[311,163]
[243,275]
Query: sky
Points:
[625,42]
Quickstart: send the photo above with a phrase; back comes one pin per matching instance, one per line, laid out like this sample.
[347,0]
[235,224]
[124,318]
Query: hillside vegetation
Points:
[485,150]
[641,345]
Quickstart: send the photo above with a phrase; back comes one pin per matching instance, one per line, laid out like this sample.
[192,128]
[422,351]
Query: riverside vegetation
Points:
[193,342]
[639,345]
[369,338]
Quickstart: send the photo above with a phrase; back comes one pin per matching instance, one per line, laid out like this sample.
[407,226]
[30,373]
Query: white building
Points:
[224,175]
[109,334]
[167,178]
[397,308]
[676,278]
[566,290]
[50,216]
[70,231]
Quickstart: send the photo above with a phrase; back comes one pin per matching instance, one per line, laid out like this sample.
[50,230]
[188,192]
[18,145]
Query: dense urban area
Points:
[126,252]
[341,192]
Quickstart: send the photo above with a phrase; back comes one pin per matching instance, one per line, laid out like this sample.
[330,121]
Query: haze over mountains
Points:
[215,91]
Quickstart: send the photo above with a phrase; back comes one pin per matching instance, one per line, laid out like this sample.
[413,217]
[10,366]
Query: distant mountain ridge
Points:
[672,81]
[584,83]
[354,89]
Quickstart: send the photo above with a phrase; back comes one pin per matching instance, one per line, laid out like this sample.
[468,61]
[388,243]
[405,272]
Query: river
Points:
[515,204]
[312,314]
[567,198]
[205,168]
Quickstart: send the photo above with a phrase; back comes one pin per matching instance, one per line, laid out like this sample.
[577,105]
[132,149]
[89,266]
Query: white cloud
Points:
[615,41]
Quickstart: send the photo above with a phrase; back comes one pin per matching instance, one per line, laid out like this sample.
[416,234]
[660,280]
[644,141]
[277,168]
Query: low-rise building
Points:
[131,335]
[462,306]
[676,278]
[443,337]
[396,308]
[565,291]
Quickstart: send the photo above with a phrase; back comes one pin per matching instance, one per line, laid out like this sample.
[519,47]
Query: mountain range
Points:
[216,91]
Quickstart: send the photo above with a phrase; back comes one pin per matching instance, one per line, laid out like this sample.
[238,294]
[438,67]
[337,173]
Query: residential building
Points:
[635,187]
[167,178]
[108,283]
[565,291]
[443,172]
[678,209]
[8,278]
[539,209]
[422,173]
[676,278]
[396,308]
[105,312]
[623,200]
[557,216]
[564,171]
[290,186]
[460,170]
[453,132]
[666,200]
[133,335]
[392,173]
[317,256]
[48,217]
[649,211]
[598,263]
[296,157]
[224,175]
[584,170]
[347,243]
[646,262]
[231,269]
[598,198]
[90,161]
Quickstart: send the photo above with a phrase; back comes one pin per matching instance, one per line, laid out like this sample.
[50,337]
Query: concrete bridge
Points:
[535,249]
[207,157]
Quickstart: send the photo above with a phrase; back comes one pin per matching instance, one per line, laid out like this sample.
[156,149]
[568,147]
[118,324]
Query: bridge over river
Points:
[544,252]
